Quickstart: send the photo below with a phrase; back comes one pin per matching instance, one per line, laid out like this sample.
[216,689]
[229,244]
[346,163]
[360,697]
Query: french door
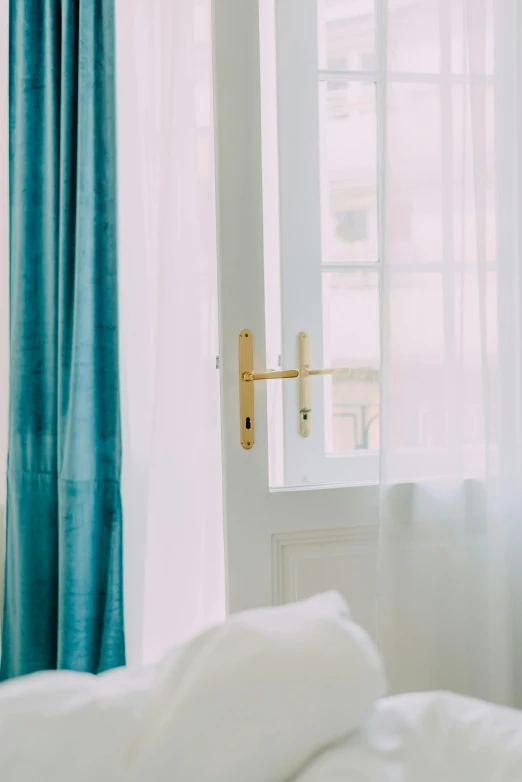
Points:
[298,145]
[321,106]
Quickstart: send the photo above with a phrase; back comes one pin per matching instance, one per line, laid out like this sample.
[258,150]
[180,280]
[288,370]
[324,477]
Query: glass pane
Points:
[346,35]
[433,215]
[474,222]
[436,327]
[413,36]
[348,151]
[476,320]
[472,54]
[414,218]
[416,338]
[351,339]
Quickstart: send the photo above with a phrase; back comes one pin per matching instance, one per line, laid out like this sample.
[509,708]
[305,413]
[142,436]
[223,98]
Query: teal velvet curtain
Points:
[63,601]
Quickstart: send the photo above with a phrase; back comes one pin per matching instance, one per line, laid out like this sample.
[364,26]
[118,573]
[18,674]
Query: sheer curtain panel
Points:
[451,462]
[174,570]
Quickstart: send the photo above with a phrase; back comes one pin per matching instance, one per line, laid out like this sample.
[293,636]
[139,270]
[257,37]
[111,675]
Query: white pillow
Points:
[248,701]
[259,695]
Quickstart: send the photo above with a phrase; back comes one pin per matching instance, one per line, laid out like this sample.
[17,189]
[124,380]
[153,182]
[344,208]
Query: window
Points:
[374,87]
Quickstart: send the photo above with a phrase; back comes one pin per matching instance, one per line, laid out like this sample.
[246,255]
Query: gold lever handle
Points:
[270,374]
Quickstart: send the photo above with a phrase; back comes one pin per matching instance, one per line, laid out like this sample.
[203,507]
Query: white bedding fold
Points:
[427,737]
[251,700]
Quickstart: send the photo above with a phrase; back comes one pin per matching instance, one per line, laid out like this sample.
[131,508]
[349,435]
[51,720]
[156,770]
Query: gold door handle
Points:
[247,376]
[270,374]
[305,373]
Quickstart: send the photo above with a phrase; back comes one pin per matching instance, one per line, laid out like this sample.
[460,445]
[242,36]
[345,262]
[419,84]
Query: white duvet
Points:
[427,737]
[270,695]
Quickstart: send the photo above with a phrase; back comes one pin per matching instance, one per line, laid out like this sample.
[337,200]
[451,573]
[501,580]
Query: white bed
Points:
[293,693]
[426,737]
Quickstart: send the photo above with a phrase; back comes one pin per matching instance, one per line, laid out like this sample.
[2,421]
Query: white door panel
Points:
[305,563]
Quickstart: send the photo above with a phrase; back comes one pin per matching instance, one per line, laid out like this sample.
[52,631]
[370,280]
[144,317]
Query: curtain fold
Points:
[63,593]
[4,278]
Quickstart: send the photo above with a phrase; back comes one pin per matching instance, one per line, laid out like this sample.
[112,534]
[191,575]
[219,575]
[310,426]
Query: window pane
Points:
[473,156]
[477,329]
[346,30]
[348,151]
[479,58]
[416,338]
[351,339]
[433,158]
[414,218]
[413,36]
[436,328]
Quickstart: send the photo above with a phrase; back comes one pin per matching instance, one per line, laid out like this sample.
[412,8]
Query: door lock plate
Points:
[247,379]
[246,389]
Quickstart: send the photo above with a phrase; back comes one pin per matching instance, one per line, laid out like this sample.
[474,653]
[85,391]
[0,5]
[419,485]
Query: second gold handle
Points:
[305,373]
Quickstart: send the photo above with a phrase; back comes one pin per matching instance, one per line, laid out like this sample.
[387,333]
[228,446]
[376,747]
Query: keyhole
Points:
[305,416]
[248,424]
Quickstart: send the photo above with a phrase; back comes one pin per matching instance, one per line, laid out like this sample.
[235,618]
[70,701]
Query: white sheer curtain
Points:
[4,277]
[168,321]
[451,467]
